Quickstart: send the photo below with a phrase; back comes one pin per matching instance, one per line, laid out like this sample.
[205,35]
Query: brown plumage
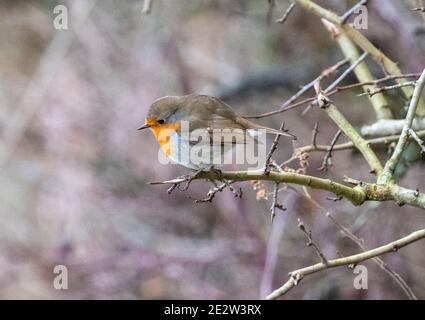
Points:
[202,111]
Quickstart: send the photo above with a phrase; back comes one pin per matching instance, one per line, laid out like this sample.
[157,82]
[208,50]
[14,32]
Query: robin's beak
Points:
[145,126]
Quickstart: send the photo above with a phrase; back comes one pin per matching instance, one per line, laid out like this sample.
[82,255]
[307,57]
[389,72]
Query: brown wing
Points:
[211,115]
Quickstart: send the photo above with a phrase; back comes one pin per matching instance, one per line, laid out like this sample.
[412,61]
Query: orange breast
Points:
[162,133]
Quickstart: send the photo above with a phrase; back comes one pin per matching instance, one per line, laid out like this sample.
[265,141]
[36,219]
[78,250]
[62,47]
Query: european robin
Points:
[173,119]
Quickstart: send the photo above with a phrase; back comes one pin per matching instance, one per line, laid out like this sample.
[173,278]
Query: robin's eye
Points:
[161,121]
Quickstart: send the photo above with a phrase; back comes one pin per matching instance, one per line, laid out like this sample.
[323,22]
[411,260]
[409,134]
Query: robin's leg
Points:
[216,172]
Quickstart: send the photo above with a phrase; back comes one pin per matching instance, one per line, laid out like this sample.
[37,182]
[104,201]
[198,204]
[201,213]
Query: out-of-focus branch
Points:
[390,127]
[372,92]
[387,174]
[388,65]
[378,101]
[286,14]
[350,132]
[297,275]
[147,6]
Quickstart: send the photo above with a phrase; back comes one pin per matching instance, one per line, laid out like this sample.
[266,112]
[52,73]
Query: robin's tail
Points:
[279,132]
[251,125]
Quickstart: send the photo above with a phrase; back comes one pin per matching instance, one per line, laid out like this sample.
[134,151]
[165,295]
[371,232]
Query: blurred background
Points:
[74,169]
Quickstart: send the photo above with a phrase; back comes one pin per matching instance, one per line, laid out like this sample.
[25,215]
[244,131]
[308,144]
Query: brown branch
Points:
[328,154]
[297,275]
[311,243]
[418,140]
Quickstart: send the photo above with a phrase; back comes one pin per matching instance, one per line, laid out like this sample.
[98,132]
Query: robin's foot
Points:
[216,172]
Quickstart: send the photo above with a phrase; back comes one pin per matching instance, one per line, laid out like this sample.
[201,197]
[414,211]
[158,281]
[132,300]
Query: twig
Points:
[418,140]
[297,275]
[387,174]
[311,243]
[291,105]
[371,93]
[346,145]
[389,66]
[212,193]
[286,14]
[400,281]
[272,150]
[346,72]
[350,132]
[314,136]
[328,154]
[349,13]
[395,276]
[275,204]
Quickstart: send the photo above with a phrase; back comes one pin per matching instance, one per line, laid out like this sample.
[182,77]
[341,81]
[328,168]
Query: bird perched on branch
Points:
[174,120]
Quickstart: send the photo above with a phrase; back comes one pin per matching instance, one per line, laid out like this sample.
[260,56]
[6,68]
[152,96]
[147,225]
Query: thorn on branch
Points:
[328,156]
[275,204]
[273,149]
[335,199]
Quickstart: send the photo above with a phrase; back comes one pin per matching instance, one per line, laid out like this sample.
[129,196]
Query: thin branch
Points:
[381,263]
[273,149]
[379,57]
[362,72]
[350,132]
[418,140]
[311,243]
[328,154]
[286,14]
[387,174]
[371,93]
[314,136]
[347,72]
[275,205]
[297,275]
[289,104]
[349,13]
[395,276]
[350,144]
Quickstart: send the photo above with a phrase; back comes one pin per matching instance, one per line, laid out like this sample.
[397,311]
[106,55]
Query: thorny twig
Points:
[275,204]
[328,154]
[311,243]
[273,149]
[371,93]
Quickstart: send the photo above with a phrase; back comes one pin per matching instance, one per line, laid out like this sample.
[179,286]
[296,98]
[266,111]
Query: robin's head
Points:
[162,112]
